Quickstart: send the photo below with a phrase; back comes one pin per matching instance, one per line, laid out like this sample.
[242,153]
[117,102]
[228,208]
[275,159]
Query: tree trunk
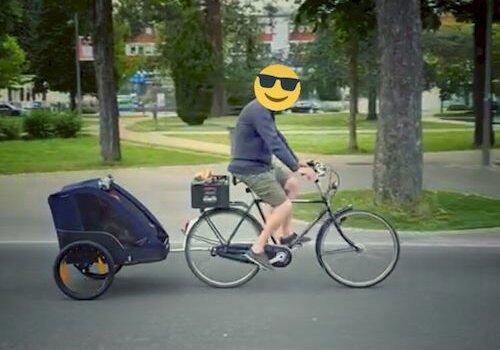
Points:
[397,171]
[106,87]
[72,100]
[479,72]
[214,28]
[466,97]
[353,92]
[372,98]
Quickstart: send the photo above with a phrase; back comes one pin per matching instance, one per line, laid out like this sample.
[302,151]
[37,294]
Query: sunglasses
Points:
[268,81]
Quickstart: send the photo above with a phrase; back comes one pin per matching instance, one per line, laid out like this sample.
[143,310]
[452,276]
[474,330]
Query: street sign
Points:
[85,50]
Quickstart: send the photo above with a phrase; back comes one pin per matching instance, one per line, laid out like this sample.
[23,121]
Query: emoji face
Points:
[277,87]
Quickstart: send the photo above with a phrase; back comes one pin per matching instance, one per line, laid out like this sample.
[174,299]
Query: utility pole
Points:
[486,144]
[77,63]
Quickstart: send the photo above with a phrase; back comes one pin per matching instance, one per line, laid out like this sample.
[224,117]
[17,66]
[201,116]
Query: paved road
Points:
[443,295]
[439,297]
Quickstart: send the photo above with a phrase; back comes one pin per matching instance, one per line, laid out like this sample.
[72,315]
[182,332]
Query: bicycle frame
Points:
[326,210]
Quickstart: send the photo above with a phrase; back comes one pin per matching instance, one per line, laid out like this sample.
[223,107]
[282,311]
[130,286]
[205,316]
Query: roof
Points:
[266,37]
[301,36]
[145,38]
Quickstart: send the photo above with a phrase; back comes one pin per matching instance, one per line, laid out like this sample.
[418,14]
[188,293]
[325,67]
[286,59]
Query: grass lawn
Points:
[89,122]
[285,122]
[337,144]
[83,153]
[437,210]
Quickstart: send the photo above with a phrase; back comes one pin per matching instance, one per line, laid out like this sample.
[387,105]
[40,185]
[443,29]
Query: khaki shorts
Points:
[268,186]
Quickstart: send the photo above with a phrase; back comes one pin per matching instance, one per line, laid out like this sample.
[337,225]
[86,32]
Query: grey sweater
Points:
[256,139]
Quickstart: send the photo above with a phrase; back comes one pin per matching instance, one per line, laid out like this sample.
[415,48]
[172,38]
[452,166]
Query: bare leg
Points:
[273,221]
[292,190]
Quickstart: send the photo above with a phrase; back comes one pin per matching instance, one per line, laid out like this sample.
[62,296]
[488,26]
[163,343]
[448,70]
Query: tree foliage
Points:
[245,55]
[9,16]
[324,65]
[189,55]
[53,50]
[448,55]
[12,59]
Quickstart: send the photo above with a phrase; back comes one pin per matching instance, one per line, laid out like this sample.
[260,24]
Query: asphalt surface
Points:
[439,297]
[443,294]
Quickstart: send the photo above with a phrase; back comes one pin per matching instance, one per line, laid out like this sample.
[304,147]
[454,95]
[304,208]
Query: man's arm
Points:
[283,138]
[266,128]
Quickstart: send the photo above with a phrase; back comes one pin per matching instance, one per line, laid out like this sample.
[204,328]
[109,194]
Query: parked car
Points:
[34,105]
[305,106]
[7,109]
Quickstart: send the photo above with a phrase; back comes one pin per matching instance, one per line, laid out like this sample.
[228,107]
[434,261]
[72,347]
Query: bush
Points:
[193,103]
[458,107]
[67,124]
[10,129]
[39,124]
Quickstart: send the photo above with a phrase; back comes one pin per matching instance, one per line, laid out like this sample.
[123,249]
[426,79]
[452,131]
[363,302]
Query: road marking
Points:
[28,242]
[179,249]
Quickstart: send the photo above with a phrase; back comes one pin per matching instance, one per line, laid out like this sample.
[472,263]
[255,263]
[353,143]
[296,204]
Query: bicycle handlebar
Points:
[323,170]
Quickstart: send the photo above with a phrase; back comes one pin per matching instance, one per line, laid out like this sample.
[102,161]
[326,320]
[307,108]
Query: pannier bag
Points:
[210,191]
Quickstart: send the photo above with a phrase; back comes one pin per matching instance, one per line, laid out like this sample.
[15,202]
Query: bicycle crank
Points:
[279,256]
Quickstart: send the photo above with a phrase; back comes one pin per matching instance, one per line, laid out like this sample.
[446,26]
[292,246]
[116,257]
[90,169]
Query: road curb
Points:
[488,230]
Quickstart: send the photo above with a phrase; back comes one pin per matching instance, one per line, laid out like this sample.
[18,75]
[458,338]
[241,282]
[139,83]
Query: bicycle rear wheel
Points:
[213,229]
[362,252]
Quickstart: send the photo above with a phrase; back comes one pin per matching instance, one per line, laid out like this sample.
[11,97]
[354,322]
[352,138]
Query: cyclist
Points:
[255,140]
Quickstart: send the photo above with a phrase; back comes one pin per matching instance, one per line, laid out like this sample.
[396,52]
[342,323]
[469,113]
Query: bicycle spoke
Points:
[340,250]
[214,229]
[206,240]
[222,226]
[375,249]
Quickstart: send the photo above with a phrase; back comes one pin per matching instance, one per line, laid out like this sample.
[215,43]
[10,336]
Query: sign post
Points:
[486,143]
[78,74]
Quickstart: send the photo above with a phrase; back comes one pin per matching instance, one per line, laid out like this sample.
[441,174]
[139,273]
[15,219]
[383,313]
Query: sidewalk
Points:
[25,215]
[160,138]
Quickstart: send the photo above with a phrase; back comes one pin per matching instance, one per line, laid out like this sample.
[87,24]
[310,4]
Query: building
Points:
[22,94]
[280,33]
[142,44]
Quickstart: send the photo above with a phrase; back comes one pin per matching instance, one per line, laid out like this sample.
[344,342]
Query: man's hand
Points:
[308,172]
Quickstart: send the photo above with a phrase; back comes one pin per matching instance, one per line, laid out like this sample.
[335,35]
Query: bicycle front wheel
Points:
[215,228]
[359,249]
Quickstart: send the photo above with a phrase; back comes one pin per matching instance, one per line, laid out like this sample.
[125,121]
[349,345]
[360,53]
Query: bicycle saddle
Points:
[235,181]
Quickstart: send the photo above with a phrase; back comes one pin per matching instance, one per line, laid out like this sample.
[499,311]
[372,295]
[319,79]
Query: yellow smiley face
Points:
[277,87]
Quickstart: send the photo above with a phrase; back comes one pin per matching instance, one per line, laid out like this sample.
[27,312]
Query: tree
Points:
[324,65]
[52,49]
[370,73]
[188,52]
[12,59]
[109,136]
[475,11]
[397,171]
[9,16]
[244,54]
[352,21]
[138,14]
[448,56]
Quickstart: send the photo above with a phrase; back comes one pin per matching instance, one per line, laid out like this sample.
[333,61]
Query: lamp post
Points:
[77,64]
[486,144]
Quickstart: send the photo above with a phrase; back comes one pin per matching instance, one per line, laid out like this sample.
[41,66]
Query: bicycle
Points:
[346,238]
